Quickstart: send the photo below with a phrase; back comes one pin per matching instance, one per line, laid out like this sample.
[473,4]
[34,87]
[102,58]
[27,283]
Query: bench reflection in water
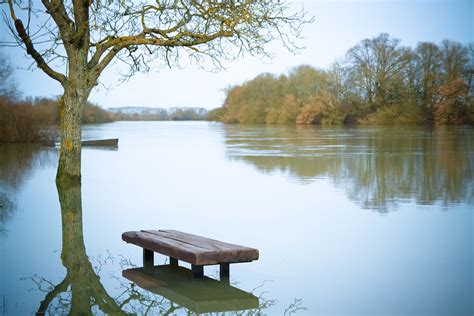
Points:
[199,295]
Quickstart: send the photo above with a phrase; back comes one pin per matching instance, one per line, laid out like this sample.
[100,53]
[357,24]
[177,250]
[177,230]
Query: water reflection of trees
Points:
[17,161]
[377,167]
[86,291]
[81,291]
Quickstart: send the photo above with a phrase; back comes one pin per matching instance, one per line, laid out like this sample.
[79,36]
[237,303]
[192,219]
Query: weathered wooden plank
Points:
[198,241]
[166,247]
[201,295]
[215,251]
[190,248]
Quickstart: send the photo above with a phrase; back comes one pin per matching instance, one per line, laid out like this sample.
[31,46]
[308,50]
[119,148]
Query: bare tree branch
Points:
[30,49]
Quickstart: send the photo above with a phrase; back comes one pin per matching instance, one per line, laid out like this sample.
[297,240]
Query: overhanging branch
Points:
[30,49]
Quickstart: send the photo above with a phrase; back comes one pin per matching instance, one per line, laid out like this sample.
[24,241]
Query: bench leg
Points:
[173,262]
[198,271]
[224,271]
[148,258]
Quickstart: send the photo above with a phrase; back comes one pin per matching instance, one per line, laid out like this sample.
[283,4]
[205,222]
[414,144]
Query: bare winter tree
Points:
[88,35]
[377,67]
[7,84]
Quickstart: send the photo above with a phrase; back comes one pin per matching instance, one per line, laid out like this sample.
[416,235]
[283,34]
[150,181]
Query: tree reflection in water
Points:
[82,293]
[17,161]
[86,291]
[376,167]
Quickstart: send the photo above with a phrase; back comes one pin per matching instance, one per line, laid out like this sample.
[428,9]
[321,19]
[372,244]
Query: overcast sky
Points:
[339,25]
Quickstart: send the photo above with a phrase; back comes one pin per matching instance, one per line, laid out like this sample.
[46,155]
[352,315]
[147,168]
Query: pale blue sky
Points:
[339,25]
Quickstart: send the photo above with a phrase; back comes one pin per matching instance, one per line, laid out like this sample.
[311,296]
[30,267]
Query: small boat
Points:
[112,142]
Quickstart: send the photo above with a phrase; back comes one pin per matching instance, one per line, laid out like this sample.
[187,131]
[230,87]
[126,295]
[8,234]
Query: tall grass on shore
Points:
[28,121]
[18,122]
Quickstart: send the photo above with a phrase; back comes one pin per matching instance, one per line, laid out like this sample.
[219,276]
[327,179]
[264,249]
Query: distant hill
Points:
[131,113]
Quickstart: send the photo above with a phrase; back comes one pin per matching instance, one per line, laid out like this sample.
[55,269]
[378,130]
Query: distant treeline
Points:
[27,121]
[159,114]
[378,82]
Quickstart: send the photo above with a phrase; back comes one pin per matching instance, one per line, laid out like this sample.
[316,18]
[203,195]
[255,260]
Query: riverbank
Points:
[37,120]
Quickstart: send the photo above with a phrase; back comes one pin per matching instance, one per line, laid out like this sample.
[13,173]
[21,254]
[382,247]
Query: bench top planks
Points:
[190,248]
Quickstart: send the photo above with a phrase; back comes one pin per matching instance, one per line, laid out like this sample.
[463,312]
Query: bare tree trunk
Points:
[72,104]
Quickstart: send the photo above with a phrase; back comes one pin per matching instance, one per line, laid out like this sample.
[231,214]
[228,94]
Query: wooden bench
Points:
[196,250]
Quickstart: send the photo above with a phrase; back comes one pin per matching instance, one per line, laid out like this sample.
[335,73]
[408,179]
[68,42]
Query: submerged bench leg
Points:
[148,259]
[173,262]
[224,271]
[198,271]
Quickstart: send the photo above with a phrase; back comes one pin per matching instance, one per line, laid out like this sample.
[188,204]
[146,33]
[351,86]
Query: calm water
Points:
[348,221]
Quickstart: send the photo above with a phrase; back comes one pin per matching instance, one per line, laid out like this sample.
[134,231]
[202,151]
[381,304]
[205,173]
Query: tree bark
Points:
[71,108]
